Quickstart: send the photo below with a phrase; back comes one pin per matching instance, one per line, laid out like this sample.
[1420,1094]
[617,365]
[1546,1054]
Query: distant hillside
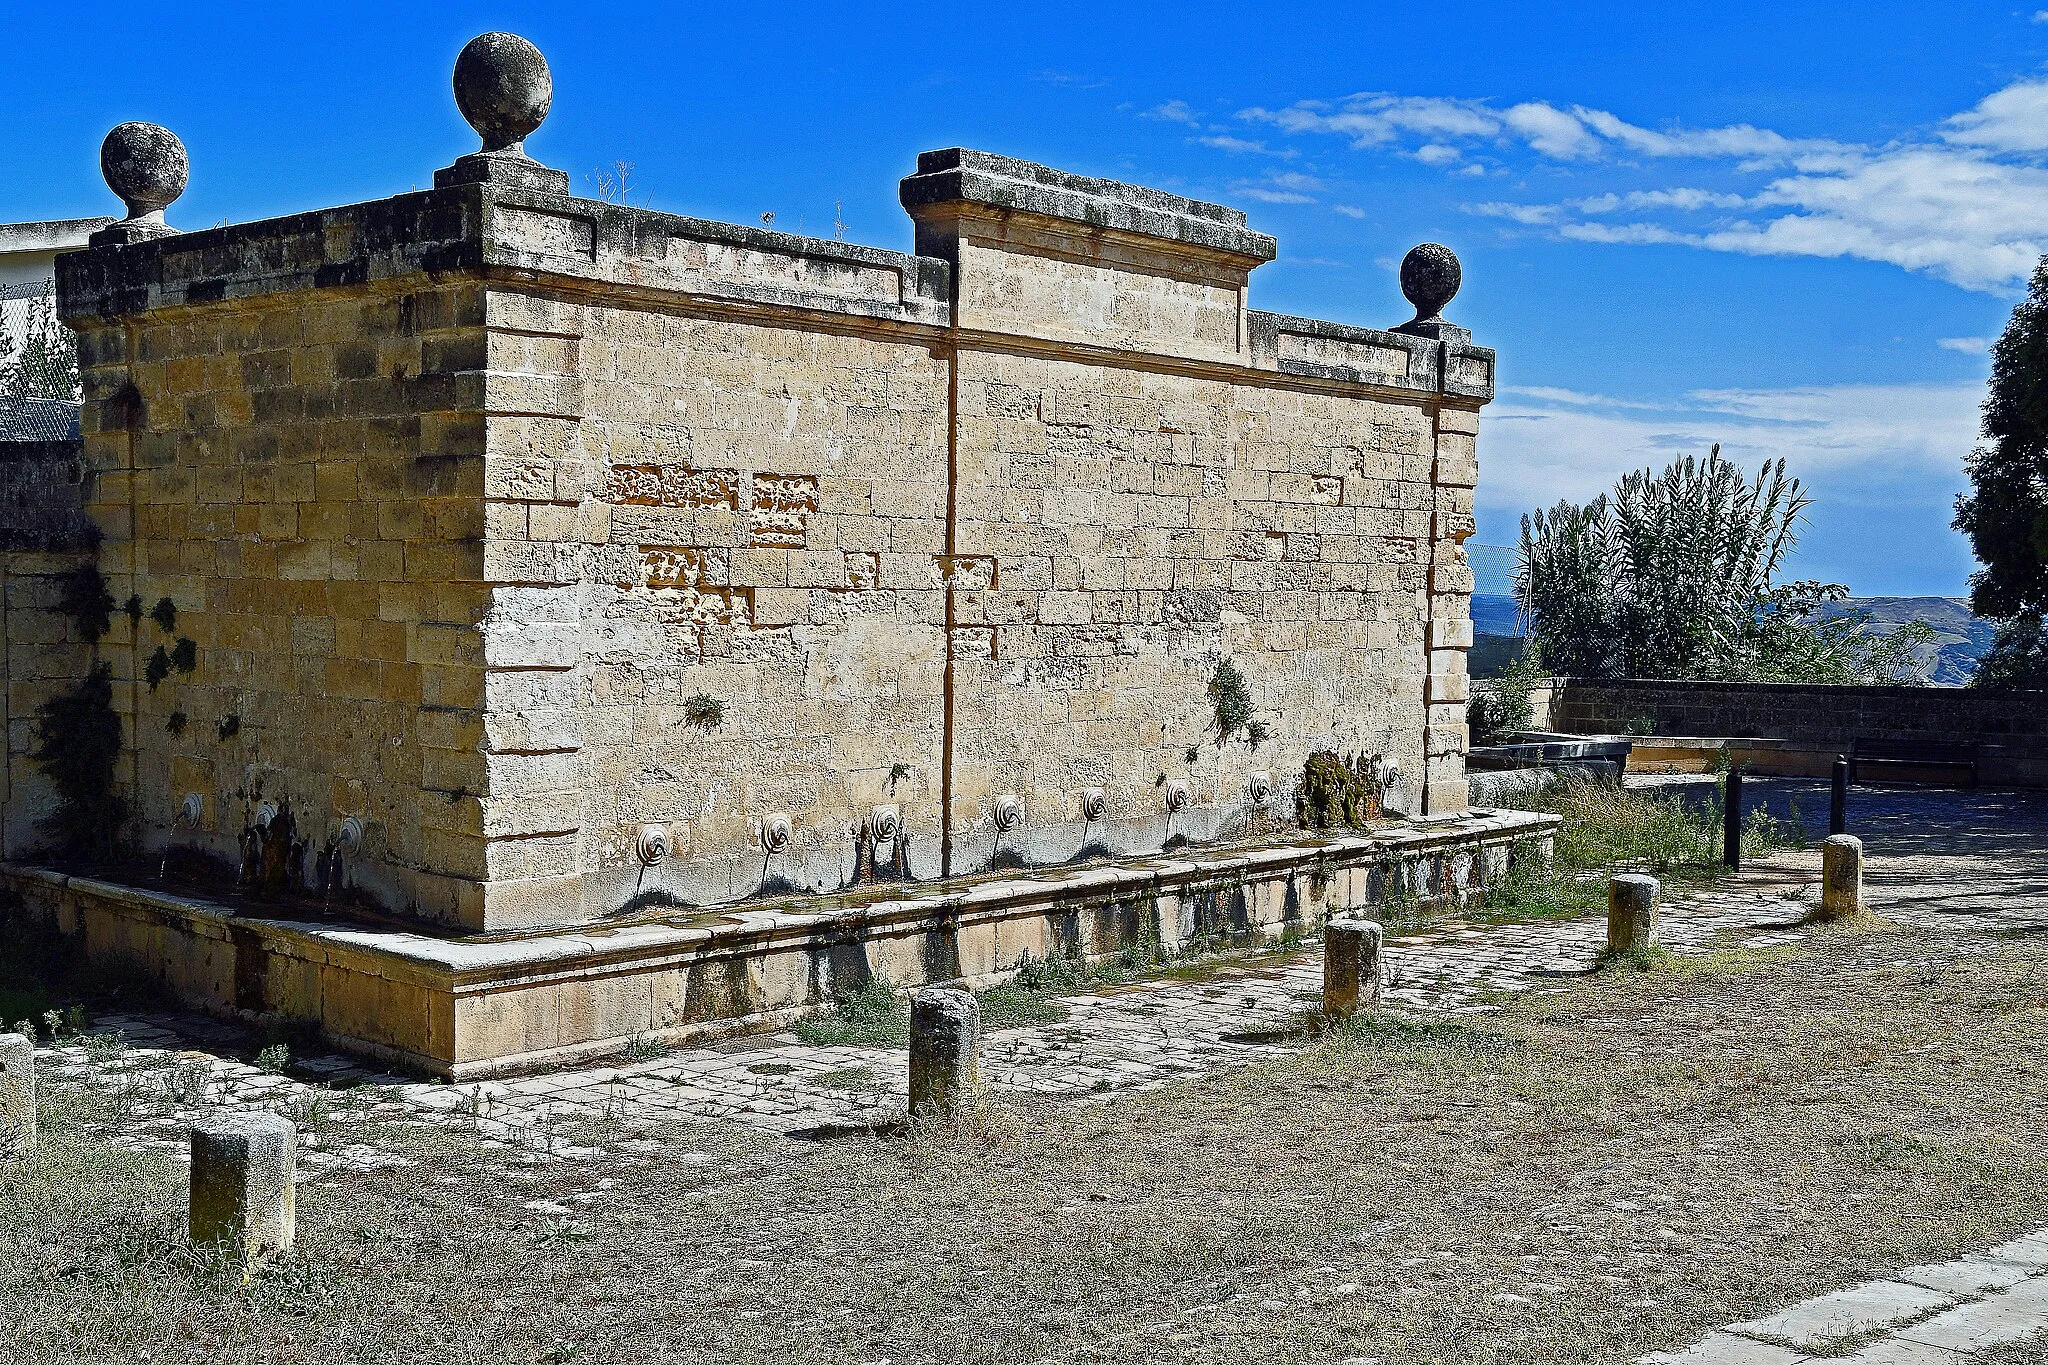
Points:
[1495,614]
[1960,639]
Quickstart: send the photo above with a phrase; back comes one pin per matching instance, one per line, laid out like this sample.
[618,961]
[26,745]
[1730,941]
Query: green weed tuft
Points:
[876,1015]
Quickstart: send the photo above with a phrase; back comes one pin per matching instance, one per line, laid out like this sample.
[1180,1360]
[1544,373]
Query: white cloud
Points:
[1552,132]
[1683,199]
[1282,187]
[1575,398]
[1173,111]
[1528,215]
[1223,142]
[1538,445]
[1967,345]
[2014,119]
[1371,120]
[1349,210]
[1627,234]
[1754,145]
[1965,200]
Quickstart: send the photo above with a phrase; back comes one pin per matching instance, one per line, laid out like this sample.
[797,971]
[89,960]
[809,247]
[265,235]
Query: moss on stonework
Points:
[703,712]
[158,668]
[184,655]
[1336,791]
[165,613]
[78,739]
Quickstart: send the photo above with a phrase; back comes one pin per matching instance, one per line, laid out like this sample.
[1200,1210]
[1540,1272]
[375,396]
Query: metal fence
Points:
[1493,569]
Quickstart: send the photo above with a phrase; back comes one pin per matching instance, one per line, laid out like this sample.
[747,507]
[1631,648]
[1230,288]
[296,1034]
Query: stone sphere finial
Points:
[1430,276]
[147,167]
[503,87]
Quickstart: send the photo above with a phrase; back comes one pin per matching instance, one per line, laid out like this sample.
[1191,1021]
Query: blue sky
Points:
[1787,228]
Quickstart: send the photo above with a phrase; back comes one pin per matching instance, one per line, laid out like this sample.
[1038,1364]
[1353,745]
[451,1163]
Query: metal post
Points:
[1838,799]
[1731,821]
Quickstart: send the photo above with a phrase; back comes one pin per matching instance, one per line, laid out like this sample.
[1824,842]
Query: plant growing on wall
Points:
[1337,792]
[1232,701]
[703,712]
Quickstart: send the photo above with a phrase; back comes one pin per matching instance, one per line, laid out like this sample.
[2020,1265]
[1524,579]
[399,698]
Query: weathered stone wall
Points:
[1119,534]
[297,475]
[2010,728]
[753,522]
[45,536]
[523,529]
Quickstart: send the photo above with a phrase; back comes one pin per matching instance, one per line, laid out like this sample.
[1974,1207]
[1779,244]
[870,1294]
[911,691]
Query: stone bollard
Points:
[1841,876]
[17,1095]
[1352,972]
[1631,911]
[243,1165]
[945,1041]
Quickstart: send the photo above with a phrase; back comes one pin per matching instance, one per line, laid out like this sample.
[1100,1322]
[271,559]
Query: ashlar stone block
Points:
[945,1044]
[244,1166]
[17,1095]
[1841,876]
[1632,912]
[1353,972]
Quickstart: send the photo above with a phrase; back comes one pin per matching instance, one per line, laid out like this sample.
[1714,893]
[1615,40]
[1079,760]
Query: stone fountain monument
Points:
[537,622]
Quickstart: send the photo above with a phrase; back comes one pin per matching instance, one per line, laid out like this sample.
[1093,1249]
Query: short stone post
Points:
[1352,972]
[1841,876]
[945,1042]
[1631,911]
[244,1163]
[17,1095]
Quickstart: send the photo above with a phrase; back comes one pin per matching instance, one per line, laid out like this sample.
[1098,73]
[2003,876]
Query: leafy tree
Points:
[2018,657]
[1672,576]
[2005,513]
[1502,705]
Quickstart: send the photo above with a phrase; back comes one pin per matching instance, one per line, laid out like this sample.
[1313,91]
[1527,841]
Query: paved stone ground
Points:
[1928,1315]
[1976,859]
[1140,1035]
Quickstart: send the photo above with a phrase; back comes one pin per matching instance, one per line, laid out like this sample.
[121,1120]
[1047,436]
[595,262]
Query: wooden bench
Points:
[1913,763]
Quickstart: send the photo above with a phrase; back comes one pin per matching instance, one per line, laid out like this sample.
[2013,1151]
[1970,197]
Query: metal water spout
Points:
[190,812]
[1008,812]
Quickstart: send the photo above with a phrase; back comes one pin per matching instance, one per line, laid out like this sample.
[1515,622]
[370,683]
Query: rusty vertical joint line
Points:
[952,353]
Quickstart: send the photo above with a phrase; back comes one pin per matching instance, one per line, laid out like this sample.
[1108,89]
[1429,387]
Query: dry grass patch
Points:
[1589,1175]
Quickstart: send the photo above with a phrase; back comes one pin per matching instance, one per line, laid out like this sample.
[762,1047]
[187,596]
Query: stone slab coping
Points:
[58,234]
[962,175]
[457,228]
[483,959]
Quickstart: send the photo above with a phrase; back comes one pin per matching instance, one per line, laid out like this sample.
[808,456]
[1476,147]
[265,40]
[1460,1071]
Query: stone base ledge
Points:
[468,1008]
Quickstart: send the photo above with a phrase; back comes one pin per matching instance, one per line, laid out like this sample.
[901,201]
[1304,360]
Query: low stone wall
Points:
[465,1008]
[1812,723]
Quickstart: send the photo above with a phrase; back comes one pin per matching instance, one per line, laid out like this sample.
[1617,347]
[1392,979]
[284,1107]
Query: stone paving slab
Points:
[1929,1315]
[1121,1038]
[1720,1348]
[1810,1325]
